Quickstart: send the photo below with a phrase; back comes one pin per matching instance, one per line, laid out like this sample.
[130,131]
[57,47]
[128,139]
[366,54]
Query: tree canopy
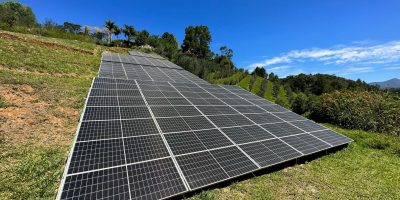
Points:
[13,13]
[197,41]
[71,27]
[169,45]
[260,71]
[141,38]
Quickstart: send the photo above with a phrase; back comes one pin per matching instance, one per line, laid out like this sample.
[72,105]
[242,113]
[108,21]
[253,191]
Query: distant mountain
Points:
[392,83]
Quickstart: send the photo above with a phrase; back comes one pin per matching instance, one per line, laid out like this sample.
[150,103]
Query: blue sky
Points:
[353,39]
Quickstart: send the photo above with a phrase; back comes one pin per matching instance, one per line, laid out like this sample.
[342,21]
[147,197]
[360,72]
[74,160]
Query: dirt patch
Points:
[32,121]
[51,45]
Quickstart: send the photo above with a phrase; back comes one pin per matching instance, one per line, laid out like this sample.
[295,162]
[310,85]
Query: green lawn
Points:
[255,89]
[235,78]
[244,83]
[268,91]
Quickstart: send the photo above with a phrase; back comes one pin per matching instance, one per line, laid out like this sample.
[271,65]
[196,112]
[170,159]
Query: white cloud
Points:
[392,68]
[356,70]
[280,68]
[268,62]
[362,54]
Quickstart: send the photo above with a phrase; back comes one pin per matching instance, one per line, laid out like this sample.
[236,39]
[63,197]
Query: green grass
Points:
[244,83]
[255,88]
[231,80]
[368,169]
[4,103]
[268,94]
[60,78]
[30,173]
[282,96]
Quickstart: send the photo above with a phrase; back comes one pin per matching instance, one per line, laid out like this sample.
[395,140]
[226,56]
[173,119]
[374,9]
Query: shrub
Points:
[370,111]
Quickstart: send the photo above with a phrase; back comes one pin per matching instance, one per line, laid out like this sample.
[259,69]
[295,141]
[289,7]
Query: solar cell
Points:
[174,124]
[152,130]
[103,184]
[97,130]
[212,138]
[96,155]
[184,142]
[281,129]
[101,113]
[155,179]
[137,127]
[134,112]
[201,169]
[261,154]
[233,161]
[331,137]
[238,135]
[144,148]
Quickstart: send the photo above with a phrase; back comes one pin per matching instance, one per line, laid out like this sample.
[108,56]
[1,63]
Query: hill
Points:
[392,83]
[43,84]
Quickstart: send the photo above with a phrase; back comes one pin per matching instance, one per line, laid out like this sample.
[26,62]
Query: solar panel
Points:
[151,131]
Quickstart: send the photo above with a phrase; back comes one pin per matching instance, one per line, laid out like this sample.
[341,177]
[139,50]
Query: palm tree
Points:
[110,26]
[129,32]
[116,31]
[86,30]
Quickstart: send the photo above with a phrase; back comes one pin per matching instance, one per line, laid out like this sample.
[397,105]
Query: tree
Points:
[86,30]
[141,38]
[129,33]
[153,41]
[110,26]
[71,27]
[260,71]
[272,77]
[168,45]
[197,41]
[99,34]
[117,31]
[227,52]
[13,13]
[50,24]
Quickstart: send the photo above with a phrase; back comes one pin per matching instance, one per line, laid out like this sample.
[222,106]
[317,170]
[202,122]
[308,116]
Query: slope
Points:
[42,91]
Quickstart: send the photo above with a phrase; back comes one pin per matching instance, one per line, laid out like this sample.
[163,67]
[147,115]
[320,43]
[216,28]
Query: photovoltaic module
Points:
[151,130]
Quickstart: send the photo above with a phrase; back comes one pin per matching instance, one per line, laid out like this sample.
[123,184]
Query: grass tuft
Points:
[4,103]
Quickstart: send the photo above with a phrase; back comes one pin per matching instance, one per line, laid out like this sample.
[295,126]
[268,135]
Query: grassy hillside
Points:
[255,88]
[268,91]
[245,83]
[43,83]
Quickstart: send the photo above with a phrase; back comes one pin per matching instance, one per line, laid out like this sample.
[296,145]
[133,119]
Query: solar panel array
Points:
[152,139]
[138,60]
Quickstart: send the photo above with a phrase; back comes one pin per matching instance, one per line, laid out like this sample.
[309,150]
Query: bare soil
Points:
[31,121]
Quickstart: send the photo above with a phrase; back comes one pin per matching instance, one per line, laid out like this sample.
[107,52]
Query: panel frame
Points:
[64,176]
[218,127]
[201,85]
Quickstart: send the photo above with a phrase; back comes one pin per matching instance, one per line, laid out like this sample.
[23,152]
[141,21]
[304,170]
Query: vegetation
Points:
[43,85]
[361,110]
[16,14]
[44,81]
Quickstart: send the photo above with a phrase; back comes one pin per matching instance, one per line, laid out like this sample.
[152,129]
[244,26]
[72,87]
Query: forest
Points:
[321,97]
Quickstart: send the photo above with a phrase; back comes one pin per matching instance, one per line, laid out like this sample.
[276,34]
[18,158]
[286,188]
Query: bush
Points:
[370,111]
